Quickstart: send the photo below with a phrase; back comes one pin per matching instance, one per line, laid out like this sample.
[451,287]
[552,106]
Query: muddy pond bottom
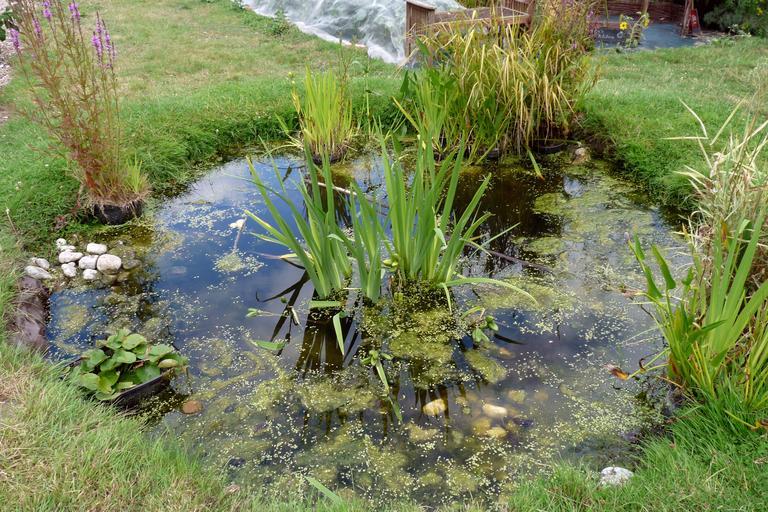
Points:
[464,419]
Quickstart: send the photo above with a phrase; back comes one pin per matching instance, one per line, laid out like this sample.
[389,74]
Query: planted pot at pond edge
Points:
[548,146]
[125,368]
[132,398]
[114,215]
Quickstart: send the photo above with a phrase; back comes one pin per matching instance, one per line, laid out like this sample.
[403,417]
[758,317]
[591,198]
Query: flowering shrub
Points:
[71,78]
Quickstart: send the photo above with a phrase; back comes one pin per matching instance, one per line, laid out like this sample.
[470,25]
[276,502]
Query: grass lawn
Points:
[201,79]
[637,104]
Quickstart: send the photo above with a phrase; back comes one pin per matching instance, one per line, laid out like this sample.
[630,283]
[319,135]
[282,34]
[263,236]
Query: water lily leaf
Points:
[157,352]
[124,357]
[147,373]
[124,384]
[89,381]
[108,379]
[93,357]
[134,340]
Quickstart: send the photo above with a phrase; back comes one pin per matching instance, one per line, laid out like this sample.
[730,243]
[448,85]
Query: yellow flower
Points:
[623,25]
[646,22]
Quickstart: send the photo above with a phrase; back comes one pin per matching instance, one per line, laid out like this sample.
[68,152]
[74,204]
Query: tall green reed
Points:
[715,330]
[326,121]
[316,241]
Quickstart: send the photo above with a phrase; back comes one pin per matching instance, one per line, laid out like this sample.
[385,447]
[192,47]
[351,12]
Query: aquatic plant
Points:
[510,86]
[316,241]
[75,93]
[367,242]
[121,362]
[715,329]
[325,114]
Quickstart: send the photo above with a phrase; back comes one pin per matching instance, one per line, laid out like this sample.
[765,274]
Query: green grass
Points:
[637,104]
[202,79]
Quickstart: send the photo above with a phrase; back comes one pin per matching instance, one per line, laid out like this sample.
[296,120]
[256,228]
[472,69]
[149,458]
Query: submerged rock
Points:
[495,411]
[516,395]
[435,407]
[109,264]
[496,433]
[37,273]
[131,264]
[192,407]
[97,249]
[615,475]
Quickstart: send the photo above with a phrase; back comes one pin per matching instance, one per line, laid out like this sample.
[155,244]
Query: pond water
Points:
[495,412]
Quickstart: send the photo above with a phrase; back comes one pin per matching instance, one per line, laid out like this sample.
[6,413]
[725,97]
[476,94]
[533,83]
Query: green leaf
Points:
[109,378]
[93,357]
[332,496]
[323,304]
[134,340]
[124,357]
[157,352]
[106,396]
[337,329]
[89,381]
[269,345]
[147,372]
[669,281]
[124,384]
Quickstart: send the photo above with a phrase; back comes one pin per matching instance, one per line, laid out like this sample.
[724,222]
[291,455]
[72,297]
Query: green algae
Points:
[490,369]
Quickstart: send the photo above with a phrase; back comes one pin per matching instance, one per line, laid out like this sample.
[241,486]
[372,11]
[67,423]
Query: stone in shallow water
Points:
[37,273]
[97,249]
[69,256]
[40,262]
[88,262]
[192,407]
[495,411]
[435,407]
[615,475]
[496,433]
[516,395]
[109,264]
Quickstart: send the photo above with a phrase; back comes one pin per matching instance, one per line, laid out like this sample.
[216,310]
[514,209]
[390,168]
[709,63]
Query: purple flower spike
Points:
[38,28]
[75,11]
[47,10]
[96,41]
[15,38]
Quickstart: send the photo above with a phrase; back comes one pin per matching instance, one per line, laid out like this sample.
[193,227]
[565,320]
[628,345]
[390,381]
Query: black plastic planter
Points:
[114,215]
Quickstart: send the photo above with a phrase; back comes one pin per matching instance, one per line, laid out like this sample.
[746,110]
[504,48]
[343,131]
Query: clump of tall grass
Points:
[731,185]
[326,123]
[504,87]
[715,319]
[316,241]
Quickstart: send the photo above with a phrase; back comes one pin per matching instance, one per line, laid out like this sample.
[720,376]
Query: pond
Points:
[473,418]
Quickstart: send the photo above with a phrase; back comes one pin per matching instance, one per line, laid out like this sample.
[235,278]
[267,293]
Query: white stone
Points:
[69,270]
[88,262]
[109,264]
[61,242]
[96,249]
[67,248]
[435,407]
[37,273]
[614,475]
[40,262]
[90,274]
[495,411]
[69,256]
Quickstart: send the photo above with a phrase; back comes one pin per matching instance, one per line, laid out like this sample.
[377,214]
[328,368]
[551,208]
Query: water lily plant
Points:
[123,361]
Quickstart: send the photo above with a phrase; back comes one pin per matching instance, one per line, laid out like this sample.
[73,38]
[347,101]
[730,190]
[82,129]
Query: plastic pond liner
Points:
[475,417]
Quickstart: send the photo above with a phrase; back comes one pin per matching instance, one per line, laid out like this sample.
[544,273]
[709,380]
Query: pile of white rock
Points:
[95,262]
